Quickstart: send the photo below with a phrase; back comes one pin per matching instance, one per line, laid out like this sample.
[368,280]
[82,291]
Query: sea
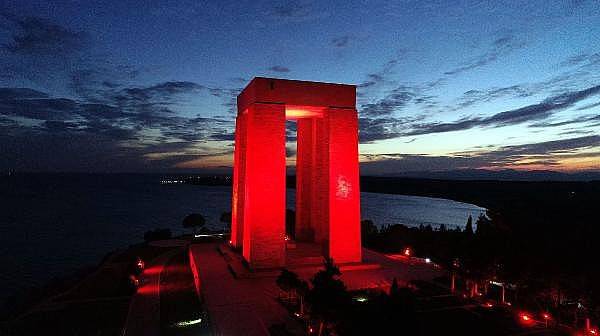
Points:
[54,224]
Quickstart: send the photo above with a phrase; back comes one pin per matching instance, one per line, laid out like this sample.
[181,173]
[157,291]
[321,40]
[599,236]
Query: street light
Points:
[546,317]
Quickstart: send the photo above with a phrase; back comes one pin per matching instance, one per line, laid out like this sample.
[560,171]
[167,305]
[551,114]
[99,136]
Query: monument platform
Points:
[303,258]
[244,302]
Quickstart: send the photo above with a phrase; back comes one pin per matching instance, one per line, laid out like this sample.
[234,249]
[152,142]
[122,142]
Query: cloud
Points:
[107,114]
[34,36]
[549,153]
[279,68]
[500,47]
[381,76]
[291,9]
[583,60]
[20,93]
[578,120]
[588,106]
[37,108]
[398,98]
[372,129]
[473,97]
[340,41]
[524,114]
[137,121]
[545,148]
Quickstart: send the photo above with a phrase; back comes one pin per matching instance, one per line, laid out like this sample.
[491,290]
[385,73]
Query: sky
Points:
[126,86]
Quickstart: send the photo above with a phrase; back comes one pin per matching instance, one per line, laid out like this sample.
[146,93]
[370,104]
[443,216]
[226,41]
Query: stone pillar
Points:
[320,191]
[264,205]
[344,186]
[238,183]
[305,158]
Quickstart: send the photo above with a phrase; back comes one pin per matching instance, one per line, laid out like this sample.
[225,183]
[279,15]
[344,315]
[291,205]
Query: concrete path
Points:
[143,318]
[237,306]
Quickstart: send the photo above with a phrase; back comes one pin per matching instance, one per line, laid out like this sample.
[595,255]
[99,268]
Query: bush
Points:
[157,234]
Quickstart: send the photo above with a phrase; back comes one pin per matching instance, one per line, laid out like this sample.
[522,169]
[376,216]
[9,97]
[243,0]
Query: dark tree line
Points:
[332,309]
[538,236]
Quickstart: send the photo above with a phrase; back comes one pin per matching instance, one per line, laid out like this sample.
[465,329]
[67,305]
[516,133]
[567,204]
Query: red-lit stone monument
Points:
[327,177]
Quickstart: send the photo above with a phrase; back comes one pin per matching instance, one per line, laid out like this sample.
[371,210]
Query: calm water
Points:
[54,224]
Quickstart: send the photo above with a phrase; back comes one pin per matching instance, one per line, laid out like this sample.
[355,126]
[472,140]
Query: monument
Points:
[327,172]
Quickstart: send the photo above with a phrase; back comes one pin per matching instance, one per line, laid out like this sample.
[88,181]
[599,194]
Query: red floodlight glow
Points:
[293,112]
[526,319]
[327,170]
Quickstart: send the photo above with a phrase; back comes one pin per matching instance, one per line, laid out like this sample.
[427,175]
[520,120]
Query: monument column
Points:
[264,202]
[305,171]
[320,191]
[344,186]
[239,176]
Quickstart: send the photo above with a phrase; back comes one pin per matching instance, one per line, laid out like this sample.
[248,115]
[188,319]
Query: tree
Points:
[288,281]
[194,221]
[469,226]
[302,291]
[328,297]
[157,234]
[226,217]
[368,230]
[394,287]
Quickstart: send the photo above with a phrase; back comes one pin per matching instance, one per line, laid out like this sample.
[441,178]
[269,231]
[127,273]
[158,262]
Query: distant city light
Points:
[407,252]
[427,260]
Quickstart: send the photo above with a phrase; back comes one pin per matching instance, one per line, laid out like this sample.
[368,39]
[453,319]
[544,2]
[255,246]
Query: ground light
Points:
[547,317]
[407,252]
[526,319]
[187,323]
[361,299]
[205,235]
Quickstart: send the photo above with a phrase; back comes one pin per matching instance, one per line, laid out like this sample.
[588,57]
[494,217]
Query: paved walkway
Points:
[143,318]
[245,307]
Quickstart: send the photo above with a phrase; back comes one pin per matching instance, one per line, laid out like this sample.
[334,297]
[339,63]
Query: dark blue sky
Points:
[150,86]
